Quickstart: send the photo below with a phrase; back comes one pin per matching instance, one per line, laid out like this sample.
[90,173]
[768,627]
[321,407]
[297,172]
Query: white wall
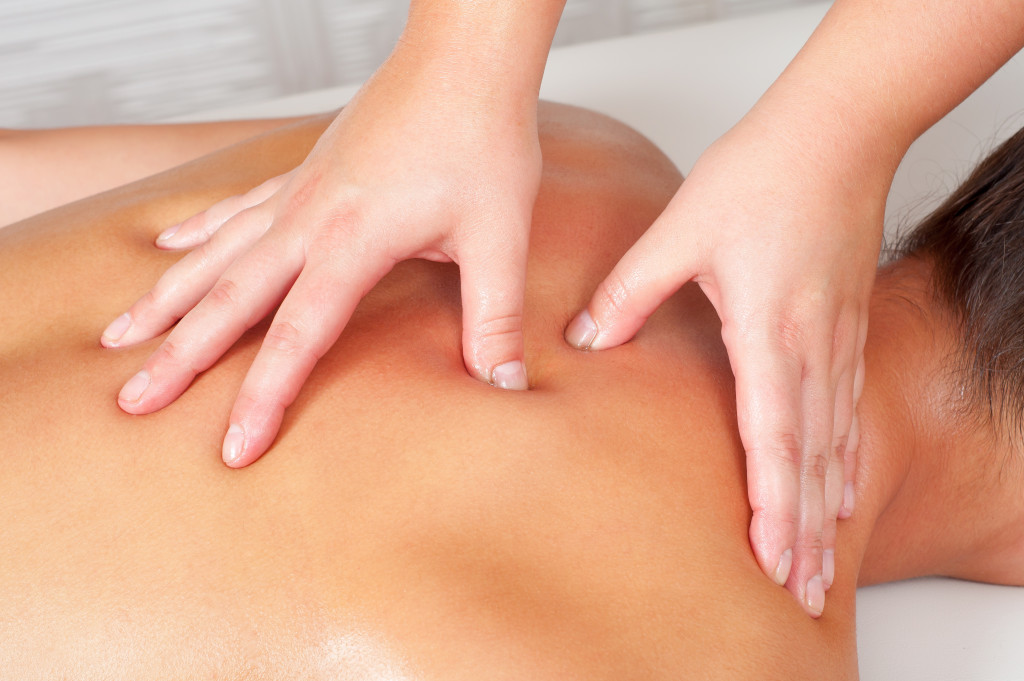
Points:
[66,62]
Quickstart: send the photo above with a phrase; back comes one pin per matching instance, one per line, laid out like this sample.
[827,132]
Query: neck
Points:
[938,495]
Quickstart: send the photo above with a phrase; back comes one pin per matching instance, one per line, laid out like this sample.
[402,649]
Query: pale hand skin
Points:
[780,222]
[788,262]
[398,175]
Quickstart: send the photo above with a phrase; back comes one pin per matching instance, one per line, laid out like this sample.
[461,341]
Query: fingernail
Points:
[510,376]
[117,329]
[166,235]
[782,570]
[828,568]
[582,331]
[815,594]
[234,444]
[135,387]
[848,498]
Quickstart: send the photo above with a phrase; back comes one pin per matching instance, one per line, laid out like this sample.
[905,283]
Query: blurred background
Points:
[75,62]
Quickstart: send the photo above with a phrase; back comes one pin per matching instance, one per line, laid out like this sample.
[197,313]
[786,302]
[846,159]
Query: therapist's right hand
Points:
[427,161]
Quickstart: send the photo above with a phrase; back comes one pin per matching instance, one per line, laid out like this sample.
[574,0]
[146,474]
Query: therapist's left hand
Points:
[401,173]
[782,235]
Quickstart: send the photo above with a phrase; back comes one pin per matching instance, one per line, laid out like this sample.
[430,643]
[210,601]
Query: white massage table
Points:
[685,87]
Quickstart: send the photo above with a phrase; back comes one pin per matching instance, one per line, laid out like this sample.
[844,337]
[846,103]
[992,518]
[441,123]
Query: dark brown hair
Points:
[975,241]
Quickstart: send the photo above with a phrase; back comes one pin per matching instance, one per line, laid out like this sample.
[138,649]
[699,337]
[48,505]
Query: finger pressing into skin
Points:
[245,294]
[818,409]
[185,283]
[493,280]
[829,529]
[200,227]
[842,420]
[835,475]
[768,400]
[651,271]
[852,447]
[309,321]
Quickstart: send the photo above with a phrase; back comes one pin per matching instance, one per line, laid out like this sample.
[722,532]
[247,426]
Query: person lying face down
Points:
[412,523]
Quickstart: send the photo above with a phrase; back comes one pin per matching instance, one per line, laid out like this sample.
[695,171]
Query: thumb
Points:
[657,265]
[493,274]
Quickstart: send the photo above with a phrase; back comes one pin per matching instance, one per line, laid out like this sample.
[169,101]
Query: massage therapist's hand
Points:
[430,160]
[784,243]
[780,223]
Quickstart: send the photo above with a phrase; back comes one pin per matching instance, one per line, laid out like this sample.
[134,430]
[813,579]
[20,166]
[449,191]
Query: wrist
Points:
[491,50]
[875,75]
[827,134]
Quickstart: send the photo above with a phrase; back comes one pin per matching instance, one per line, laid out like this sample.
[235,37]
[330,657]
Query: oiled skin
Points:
[410,522]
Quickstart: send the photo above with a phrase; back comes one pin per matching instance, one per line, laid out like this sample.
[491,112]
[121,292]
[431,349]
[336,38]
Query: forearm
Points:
[878,73]
[493,50]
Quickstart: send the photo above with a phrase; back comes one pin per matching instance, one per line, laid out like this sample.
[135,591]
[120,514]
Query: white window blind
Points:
[66,62]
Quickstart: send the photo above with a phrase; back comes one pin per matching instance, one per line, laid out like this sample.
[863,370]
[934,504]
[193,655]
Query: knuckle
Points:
[770,328]
[248,405]
[844,334]
[160,305]
[787,520]
[338,235]
[790,334]
[345,214]
[259,410]
[284,338]
[204,225]
[151,300]
[839,444]
[224,295]
[200,260]
[249,223]
[304,192]
[502,327]
[783,516]
[810,541]
[613,294]
[814,467]
[785,451]
[172,354]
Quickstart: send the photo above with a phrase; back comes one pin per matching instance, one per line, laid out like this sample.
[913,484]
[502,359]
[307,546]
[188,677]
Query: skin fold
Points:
[412,522]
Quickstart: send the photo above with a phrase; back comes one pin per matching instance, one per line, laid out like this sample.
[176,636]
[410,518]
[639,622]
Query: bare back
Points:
[410,522]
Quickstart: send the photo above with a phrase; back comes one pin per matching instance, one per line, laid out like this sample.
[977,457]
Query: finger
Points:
[245,294]
[307,324]
[835,475]
[200,227]
[768,400]
[845,364]
[817,410]
[493,278]
[651,271]
[843,420]
[852,447]
[850,466]
[185,283]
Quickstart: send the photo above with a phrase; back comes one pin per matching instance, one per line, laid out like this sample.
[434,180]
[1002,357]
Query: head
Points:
[974,244]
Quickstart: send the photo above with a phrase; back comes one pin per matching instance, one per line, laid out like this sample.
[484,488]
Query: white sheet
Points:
[685,87]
